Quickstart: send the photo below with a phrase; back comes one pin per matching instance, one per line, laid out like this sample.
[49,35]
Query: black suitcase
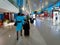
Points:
[26,32]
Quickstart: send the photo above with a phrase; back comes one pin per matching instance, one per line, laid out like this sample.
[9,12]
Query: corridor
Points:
[41,33]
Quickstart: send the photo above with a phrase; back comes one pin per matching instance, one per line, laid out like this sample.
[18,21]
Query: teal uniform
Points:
[19,24]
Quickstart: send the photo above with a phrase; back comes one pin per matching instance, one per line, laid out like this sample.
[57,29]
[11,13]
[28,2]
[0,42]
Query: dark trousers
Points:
[26,32]
[18,34]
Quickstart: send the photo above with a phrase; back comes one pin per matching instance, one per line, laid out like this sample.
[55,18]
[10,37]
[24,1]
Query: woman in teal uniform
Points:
[19,23]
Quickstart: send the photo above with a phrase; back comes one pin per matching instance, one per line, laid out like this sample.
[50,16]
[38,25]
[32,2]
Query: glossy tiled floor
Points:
[42,32]
[49,32]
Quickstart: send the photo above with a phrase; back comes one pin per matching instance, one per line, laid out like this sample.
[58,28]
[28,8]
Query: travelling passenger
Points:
[19,21]
[56,17]
[31,19]
[26,28]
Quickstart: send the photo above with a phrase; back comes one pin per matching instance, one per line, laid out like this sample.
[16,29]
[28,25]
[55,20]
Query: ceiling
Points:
[6,6]
[40,4]
[14,2]
[32,5]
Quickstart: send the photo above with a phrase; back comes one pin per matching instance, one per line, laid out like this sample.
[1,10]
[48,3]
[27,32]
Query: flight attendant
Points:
[19,23]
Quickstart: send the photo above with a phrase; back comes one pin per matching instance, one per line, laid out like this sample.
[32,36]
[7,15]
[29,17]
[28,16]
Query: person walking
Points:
[26,28]
[19,24]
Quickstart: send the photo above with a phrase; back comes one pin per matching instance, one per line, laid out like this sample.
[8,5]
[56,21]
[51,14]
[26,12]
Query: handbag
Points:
[15,24]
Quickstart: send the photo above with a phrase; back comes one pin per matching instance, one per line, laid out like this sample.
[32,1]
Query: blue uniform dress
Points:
[19,24]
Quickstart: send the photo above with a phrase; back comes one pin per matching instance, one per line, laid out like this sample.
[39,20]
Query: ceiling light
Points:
[23,8]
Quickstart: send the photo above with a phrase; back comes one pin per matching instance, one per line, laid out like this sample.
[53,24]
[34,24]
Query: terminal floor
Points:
[42,32]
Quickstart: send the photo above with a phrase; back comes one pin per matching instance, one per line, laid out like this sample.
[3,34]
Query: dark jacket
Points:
[26,26]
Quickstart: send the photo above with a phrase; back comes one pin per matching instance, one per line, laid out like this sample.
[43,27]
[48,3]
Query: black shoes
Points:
[17,38]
